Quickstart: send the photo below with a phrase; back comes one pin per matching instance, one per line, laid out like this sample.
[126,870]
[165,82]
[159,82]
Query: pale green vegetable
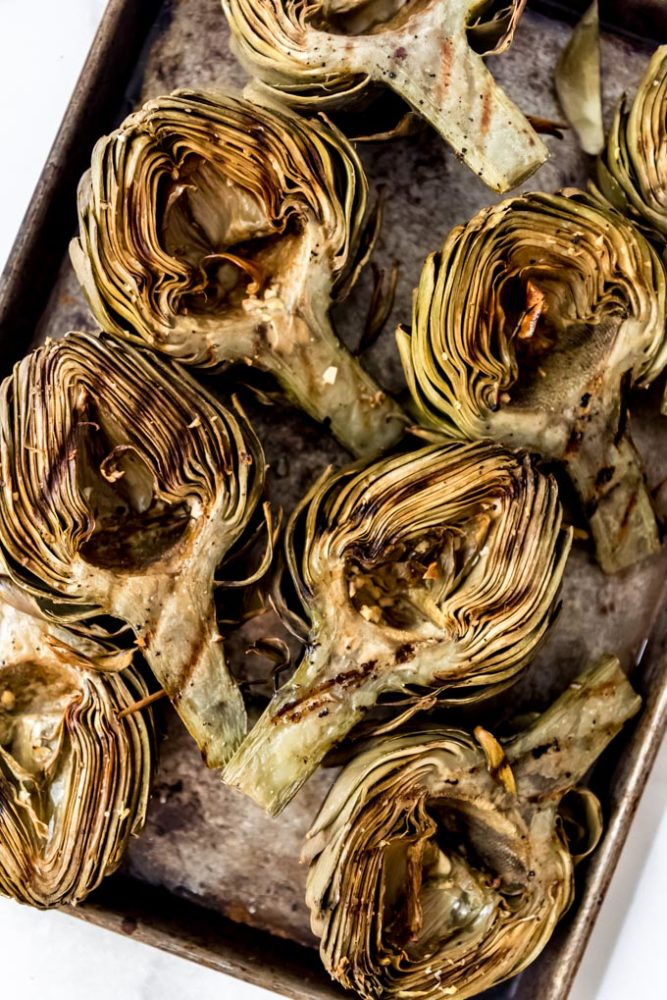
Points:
[332,53]
[75,774]
[442,860]
[432,574]
[632,170]
[578,85]
[219,232]
[124,486]
[528,328]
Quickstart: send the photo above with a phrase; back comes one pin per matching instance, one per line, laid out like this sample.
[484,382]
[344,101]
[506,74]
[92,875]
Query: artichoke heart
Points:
[431,573]
[632,170]
[219,232]
[527,328]
[75,773]
[124,485]
[442,860]
[330,53]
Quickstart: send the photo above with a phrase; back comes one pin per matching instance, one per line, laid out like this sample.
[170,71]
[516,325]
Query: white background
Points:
[42,47]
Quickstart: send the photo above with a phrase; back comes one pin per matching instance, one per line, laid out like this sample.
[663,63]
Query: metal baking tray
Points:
[212,878]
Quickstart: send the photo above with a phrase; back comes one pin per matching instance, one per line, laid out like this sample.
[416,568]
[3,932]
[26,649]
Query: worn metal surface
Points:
[207,844]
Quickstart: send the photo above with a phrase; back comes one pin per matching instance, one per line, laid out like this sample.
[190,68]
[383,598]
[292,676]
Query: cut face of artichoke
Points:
[220,232]
[632,170]
[329,53]
[124,485]
[441,860]
[433,572]
[527,328]
[74,776]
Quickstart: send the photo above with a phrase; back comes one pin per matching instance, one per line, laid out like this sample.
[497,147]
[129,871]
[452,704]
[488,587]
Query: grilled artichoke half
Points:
[632,170]
[441,860]
[527,328]
[124,484]
[430,573]
[218,232]
[75,775]
[330,53]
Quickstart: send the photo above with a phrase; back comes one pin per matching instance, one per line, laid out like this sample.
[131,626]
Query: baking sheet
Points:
[209,845]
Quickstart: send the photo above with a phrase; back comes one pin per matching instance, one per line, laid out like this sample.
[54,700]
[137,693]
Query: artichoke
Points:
[442,860]
[218,232]
[632,170]
[330,53]
[527,328]
[430,573]
[124,485]
[75,774]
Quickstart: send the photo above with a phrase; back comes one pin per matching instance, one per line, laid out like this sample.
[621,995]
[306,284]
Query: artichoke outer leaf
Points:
[432,572]
[578,83]
[326,55]
[430,876]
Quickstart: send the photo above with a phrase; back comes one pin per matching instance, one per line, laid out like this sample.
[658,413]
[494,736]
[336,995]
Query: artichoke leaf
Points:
[431,875]
[75,776]
[327,54]
[219,232]
[124,486]
[578,83]
[435,571]
[527,328]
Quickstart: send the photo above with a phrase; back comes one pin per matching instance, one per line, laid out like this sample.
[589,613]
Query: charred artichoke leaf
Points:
[440,861]
[432,571]
[330,53]
[75,777]
[632,169]
[219,232]
[578,83]
[527,328]
[124,484]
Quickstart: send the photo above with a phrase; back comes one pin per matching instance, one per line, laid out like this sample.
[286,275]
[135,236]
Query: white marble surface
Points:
[42,47]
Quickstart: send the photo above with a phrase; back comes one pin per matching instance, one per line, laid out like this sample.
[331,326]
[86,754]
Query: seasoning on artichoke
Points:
[442,860]
[433,572]
[124,485]
[527,328]
[632,170]
[74,776]
[220,232]
[578,82]
[333,53]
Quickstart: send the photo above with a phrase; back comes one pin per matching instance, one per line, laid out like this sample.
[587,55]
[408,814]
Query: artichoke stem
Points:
[448,84]
[311,714]
[610,482]
[326,381]
[179,639]
[557,751]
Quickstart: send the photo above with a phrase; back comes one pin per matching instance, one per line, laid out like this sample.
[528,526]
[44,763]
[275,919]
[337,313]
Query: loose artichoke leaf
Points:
[428,875]
[428,51]
[403,568]
[74,779]
[578,82]
[220,232]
